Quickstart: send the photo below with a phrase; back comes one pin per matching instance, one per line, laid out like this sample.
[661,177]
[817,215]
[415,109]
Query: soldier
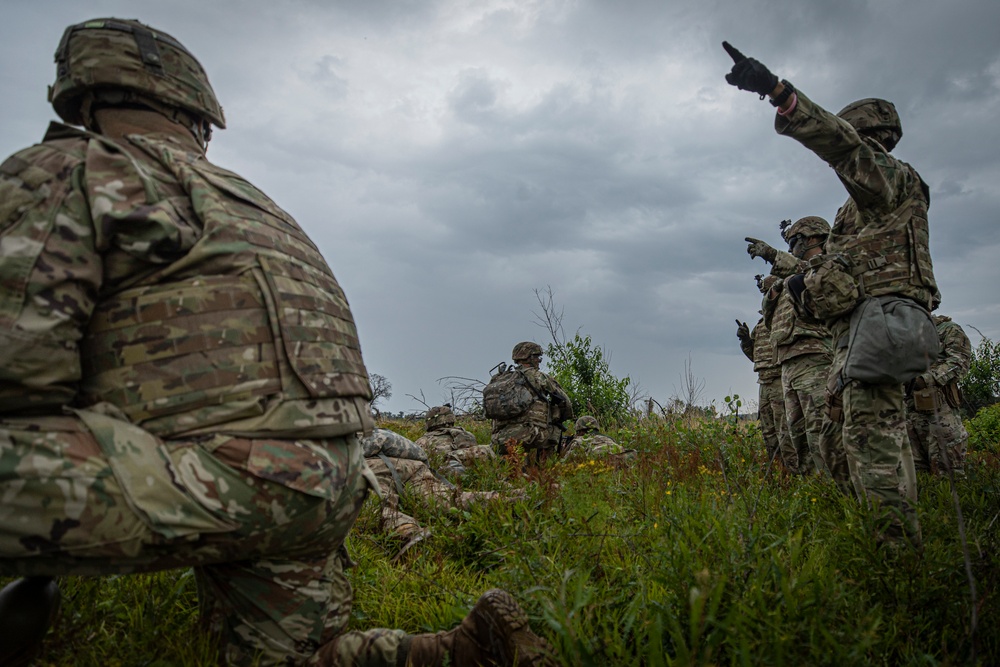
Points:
[937,434]
[589,442]
[180,375]
[538,428]
[400,466]
[756,345]
[804,349]
[443,437]
[877,263]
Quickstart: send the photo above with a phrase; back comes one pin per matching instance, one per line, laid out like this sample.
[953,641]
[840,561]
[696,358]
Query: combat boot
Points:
[27,608]
[494,634]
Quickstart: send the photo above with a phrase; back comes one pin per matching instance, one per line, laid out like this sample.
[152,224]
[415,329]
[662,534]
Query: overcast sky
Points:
[451,157]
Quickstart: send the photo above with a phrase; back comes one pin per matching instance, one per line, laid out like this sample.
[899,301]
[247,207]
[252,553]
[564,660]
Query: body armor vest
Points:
[249,318]
[764,363]
[893,256]
[792,335]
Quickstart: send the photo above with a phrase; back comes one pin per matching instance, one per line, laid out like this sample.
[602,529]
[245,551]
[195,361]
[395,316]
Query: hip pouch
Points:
[891,341]
[925,400]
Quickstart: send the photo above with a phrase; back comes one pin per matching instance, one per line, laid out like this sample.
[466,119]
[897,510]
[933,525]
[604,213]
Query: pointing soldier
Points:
[877,262]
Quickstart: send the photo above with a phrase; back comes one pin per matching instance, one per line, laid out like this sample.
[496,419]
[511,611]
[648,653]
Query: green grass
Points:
[695,553]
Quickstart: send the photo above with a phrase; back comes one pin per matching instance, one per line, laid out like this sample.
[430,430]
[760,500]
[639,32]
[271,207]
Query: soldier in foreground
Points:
[454,443]
[527,406]
[180,376]
[756,345]
[937,434]
[878,262]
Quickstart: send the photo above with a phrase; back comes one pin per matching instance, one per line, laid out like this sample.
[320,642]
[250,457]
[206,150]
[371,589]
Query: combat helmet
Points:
[586,424]
[126,56]
[525,350]
[876,118]
[811,226]
[439,417]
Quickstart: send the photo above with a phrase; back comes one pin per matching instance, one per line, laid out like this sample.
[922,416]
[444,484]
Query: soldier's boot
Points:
[28,608]
[495,633]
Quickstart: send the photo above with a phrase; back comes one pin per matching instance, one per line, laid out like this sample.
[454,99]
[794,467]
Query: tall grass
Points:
[697,552]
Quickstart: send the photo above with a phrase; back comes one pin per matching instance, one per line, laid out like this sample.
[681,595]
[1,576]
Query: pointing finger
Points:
[733,52]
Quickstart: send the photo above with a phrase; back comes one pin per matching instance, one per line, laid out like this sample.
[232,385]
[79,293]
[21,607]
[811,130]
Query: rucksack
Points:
[508,395]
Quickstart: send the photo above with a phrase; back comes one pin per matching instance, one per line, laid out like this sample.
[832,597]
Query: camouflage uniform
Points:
[803,347]
[937,434]
[454,443]
[400,467]
[881,236]
[180,373]
[589,442]
[771,402]
[539,428]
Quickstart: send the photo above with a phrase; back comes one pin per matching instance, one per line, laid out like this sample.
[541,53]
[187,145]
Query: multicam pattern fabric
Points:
[261,521]
[106,53]
[773,426]
[882,228]
[400,468]
[770,403]
[882,232]
[938,438]
[592,445]
[539,426]
[455,443]
[803,381]
[179,300]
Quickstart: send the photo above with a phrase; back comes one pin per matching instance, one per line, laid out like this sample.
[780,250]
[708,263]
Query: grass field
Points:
[696,552]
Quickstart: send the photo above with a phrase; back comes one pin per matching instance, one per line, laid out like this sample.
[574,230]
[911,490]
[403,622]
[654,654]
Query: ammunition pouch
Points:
[830,289]
[953,395]
[926,400]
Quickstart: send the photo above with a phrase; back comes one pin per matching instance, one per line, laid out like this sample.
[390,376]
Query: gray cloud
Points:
[449,158]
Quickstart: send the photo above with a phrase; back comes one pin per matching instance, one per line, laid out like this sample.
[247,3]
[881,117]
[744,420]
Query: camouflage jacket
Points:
[445,439]
[140,274]
[552,405]
[882,228]
[793,333]
[955,357]
[764,362]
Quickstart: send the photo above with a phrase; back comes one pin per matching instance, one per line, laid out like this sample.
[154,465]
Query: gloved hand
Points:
[769,282]
[742,331]
[758,248]
[749,74]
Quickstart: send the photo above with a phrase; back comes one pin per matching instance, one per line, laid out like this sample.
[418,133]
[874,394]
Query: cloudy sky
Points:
[452,157]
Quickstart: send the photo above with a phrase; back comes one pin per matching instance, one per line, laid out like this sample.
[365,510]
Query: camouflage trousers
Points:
[397,477]
[877,447]
[803,384]
[771,412]
[262,522]
[539,440]
[938,439]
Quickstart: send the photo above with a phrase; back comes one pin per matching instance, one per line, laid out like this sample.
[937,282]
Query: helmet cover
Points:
[127,55]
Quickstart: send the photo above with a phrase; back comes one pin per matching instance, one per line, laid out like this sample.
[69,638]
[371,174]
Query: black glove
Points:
[749,74]
[758,248]
[742,331]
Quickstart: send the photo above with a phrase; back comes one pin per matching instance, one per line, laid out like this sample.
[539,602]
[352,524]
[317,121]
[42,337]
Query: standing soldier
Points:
[180,375]
[756,345]
[878,263]
[804,350]
[933,399]
[541,406]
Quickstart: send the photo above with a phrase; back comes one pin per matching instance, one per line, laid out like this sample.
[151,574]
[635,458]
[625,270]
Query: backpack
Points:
[508,395]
